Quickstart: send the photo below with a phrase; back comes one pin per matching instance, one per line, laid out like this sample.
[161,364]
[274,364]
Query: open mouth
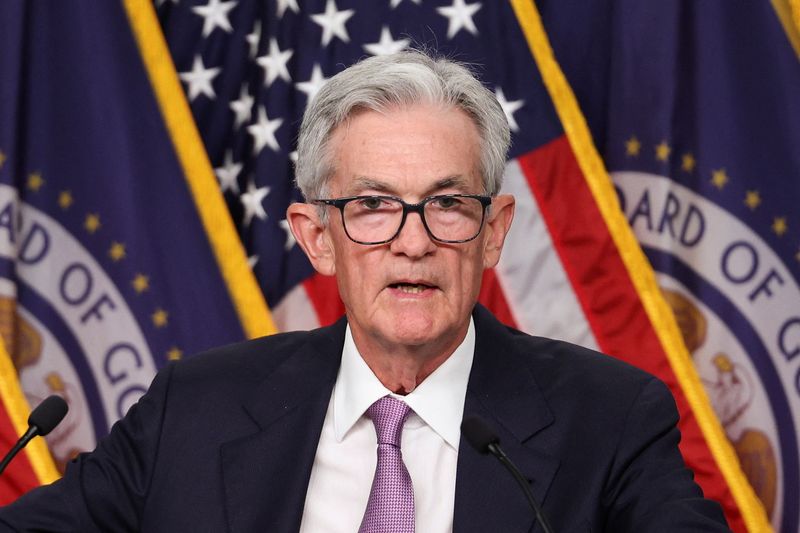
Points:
[411,288]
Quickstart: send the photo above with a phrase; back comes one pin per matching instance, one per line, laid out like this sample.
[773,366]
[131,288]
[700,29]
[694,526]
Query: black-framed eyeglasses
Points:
[448,218]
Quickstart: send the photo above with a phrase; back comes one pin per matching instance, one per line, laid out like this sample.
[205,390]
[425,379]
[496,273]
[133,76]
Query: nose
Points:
[413,239]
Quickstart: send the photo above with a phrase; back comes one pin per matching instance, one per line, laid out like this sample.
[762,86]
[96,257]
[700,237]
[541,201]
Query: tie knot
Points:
[388,415]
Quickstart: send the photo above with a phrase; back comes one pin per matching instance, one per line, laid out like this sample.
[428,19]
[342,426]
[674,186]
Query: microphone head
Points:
[48,414]
[478,434]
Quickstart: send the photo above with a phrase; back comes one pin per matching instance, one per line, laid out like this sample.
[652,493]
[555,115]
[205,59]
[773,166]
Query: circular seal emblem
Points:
[67,327]
[736,304]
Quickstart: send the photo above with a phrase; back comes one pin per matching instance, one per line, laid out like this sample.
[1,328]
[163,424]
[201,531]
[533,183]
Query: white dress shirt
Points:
[344,465]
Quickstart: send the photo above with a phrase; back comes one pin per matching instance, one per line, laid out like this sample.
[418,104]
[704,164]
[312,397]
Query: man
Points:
[400,159]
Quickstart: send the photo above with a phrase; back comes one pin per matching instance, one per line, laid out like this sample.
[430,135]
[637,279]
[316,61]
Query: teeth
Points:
[411,289]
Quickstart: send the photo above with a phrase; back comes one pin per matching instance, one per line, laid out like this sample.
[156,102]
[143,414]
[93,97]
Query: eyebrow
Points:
[362,182]
[457,182]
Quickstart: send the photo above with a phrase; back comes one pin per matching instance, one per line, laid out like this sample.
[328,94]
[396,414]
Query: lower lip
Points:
[399,293]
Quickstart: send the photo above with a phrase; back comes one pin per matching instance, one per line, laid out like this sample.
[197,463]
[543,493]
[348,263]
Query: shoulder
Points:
[562,369]
[256,355]
[566,373]
[554,358]
[548,356]
[232,370]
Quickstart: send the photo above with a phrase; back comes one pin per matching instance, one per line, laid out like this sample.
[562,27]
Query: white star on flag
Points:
[251,201]
[243,107]
[252,261]
[386,44]
[290,4]
[459,16]
[199,79]
[509,108]
[253,38]
[215,15]
[228,173]
[332,22]
[274,63]
[290,240]
[263,131]
[312,86]
[396,3]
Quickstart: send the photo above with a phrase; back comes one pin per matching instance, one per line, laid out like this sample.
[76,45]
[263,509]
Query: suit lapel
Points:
[265,474]
[288,409]
[503,392]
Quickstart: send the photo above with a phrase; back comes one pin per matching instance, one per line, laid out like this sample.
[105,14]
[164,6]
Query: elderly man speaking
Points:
[356,427]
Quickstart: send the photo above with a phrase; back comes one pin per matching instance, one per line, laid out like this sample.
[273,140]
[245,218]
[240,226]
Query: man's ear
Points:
[312,236]
[497,225]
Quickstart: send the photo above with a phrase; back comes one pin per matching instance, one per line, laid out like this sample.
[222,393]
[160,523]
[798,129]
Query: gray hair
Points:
[402,79]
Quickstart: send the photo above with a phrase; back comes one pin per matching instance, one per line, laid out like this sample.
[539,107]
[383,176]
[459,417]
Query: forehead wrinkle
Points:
[458,182]
[361,183]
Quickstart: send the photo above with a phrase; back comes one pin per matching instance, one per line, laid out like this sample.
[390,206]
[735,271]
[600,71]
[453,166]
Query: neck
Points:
[402,368]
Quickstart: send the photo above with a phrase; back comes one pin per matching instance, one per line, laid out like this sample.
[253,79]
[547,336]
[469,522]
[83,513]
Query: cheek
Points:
[469,268]
[358,272]
[351,291]
[346,273]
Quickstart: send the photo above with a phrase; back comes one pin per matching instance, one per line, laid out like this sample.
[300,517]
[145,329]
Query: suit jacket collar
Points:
[265,474]
[502,390]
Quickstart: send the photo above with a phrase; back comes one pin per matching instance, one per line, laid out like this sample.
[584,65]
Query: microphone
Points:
[42,421]
[481,437]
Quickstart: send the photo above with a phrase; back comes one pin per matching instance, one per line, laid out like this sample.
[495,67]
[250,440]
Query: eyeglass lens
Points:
[374,220]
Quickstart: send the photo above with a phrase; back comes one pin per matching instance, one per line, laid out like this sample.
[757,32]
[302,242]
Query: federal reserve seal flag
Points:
[111,261]
[696,113]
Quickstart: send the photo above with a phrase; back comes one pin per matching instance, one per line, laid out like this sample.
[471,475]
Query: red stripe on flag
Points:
[607,295]
[590,258]
[324,296]
[19,477]
[493,297]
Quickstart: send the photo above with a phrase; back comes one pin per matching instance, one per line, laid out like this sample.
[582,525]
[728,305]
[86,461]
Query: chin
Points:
[412,328]
[419,328]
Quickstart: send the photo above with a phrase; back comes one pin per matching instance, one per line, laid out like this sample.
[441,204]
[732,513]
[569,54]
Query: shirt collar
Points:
[438,400]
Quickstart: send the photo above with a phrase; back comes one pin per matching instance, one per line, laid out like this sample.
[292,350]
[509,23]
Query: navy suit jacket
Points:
[225,441]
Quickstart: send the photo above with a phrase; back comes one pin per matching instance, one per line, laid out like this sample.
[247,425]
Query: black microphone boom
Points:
[42,421]
[481,437]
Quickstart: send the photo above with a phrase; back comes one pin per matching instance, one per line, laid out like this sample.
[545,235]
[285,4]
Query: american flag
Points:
[249,70]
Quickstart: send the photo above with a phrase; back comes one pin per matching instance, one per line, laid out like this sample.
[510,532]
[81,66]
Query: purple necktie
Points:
[390,508]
